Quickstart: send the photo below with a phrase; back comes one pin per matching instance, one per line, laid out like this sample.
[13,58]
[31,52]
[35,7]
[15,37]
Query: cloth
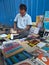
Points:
[22,35]
[22,22]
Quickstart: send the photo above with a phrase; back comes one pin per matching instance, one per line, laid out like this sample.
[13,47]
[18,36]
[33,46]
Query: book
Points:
[41,44]
[38,62]
[11,49]
[22,56]
[41,59]
[25,62]
[36,52]
[46,48]
[44,58]
[27,47]
[3,35]
[33,42]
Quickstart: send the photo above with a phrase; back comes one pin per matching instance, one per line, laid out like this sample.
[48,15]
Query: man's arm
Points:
[26,29]
[15,21]
[14,25]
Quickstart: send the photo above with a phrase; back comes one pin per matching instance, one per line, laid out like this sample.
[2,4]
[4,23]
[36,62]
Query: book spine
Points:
[27,54]
[8,61]
[10,48]
[14,59]
[13,50]
[22,56]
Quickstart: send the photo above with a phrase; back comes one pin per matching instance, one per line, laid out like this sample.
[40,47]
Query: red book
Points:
[11,47]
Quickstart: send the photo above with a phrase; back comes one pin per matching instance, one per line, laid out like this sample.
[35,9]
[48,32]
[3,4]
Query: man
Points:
[22,21]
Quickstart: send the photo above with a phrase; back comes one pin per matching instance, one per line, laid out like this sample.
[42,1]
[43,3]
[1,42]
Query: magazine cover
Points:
[44,58]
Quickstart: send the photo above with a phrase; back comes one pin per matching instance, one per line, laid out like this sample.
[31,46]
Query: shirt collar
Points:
[24,15]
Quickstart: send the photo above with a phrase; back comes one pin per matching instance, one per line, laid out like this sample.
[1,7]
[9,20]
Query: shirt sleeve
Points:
[16,18]
[29,21]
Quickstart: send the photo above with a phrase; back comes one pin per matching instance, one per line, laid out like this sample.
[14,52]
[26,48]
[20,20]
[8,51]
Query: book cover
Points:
[44,58]
[11,47]
[36,52]
[41,44]
[27,47]
[33,42]
[46,48]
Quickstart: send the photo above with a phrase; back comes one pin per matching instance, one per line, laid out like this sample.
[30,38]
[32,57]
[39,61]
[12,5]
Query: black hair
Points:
[23,6]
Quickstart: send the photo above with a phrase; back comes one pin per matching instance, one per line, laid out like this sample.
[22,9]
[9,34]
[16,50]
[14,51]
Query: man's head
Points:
[23,9]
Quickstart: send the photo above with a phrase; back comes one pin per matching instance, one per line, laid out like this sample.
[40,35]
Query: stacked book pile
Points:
[11,49]
[18,58]
[44,46]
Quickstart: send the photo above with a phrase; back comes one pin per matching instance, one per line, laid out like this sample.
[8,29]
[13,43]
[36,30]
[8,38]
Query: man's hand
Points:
[18,31]
[13,31]
[28,27]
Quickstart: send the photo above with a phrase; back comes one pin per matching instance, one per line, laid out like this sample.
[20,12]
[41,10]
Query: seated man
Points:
[22,21]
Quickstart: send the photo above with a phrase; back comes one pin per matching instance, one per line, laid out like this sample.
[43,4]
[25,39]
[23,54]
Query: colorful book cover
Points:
[11,47]
[41,44]
[27,47]
[44,58]
[33,43]
[36,52]
[13,50]
[46,48]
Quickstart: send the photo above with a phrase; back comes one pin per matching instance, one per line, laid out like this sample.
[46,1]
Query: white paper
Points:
[3,35]
[41,44]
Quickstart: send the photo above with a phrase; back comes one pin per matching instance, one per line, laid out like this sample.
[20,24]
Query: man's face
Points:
[22,12]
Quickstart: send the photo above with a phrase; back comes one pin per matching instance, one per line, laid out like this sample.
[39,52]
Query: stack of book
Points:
[13,60]
[42,58]
[44,46]
[11,49]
